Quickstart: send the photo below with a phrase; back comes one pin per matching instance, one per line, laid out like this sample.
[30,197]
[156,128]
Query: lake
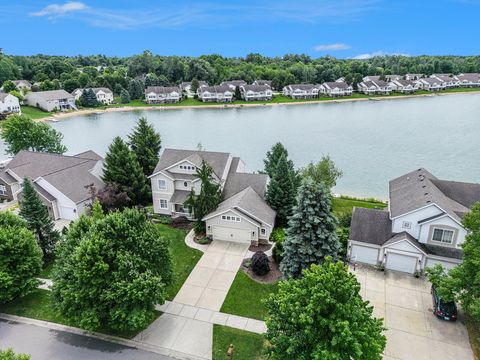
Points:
[370,141]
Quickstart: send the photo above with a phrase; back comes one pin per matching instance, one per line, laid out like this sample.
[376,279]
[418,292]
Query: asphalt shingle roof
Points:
[370,225]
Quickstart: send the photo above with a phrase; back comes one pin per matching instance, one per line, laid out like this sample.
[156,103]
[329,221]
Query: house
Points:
[256,92]
[22,85]
[431,84]
[404,86]
[414,76]
[9,104]
[340,80]
[104,95]
[263,82]
[301,91]
[422,226]
[371,78]
[233,84]
[187,87]
[243,216]
[162,94]
[53,100]
[335,89]
[468,80]
[216,93]
[61,181]
[391,78]
[374,87]
[449,80]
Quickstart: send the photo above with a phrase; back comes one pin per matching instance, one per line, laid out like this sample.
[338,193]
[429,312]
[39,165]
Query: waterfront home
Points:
[376,87]
[22,85]
[371,78]
[431,84]
[9,104]
[216,93]
[263,82]
[163,94]
[187,87]
[404,86]
[414,76]
[243,216]
[335,89]
[233,84]
[301,91]
[468,80]
[449,80]
[421,227]
[61,181]
[256,92]
[104,95]
[53,100]
[391,78]
[340,79]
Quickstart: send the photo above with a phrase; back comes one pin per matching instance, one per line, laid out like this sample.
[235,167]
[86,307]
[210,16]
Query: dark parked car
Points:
[446,310]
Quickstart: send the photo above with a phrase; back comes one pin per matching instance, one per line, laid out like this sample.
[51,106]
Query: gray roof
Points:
[420,188]
[334,84]
[50,95]
[370,225]
[162,89]
[432,80]
[368,84]
[237,181]
[404,236]
[372,77]
[255,87]
[179,196]
[405,82]
[234,83]
[302,86]
[217,160]
[380,83]
[6,177]
[215,89]
[95,90]
[69,174]
[474,77]
[444,251]
[250,204]
[263,82]
[24,82]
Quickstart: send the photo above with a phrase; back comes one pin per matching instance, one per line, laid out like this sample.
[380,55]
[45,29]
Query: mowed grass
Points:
[247,345]
[245,297]
[34,112]
[344,204]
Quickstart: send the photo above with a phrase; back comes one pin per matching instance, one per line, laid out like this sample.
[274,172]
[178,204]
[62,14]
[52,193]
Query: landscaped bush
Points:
[204,240]
[345,218]
[180,222]
[260,263]
[277,235]
[277,252]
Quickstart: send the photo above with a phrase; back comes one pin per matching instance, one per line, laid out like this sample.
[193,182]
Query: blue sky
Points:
[342,28]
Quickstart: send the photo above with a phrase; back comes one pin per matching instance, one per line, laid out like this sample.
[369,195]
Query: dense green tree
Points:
[124,96]
[311,235]
[281,190]
[8,69]
[88,98]
[111,271]
[38,220]
[272,157]
[117,90]
[238,93]
[20,258]
[322,316]
[8,86]
[207,200]
[194,86]
[136,89]
[324,171]
[19,132]
[146,143]
[121,167]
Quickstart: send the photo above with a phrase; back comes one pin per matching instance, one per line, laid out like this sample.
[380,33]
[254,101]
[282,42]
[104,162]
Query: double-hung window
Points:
[162,184]
[442,235]
[163,204]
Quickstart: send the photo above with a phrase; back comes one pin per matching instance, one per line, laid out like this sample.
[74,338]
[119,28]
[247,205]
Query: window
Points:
[407,224]
[3,190]
[163,204]
[231,218]
[162,184]
[263,231]
[442,235]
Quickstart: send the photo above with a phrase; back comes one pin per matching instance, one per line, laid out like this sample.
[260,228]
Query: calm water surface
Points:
[371,141]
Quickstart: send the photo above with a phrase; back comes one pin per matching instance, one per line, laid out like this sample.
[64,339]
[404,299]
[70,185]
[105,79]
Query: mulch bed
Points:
[262,247]
[273,275]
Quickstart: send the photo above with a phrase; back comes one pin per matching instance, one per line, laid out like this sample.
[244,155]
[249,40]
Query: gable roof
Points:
[255,87]
[237,181]
[302,86]
[215,89]
[370,225]
[233,83]
[335,84]
[50,95]
[407,237]
[162,89]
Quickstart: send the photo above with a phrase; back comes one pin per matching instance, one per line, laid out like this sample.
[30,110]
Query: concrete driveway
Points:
[413,332]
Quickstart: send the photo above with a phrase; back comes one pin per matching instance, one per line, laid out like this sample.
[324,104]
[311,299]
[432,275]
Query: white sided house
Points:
[22,85]
[431,84]
[9,104]
[53,100]
[301,91]
[243,216]
[187,87]
[422,226]
[404,86]
[163,94]
[61,181]
[468,80]
[233,84]
[216,93]
[104,95]
[374,87]
[256,92]
[336,89]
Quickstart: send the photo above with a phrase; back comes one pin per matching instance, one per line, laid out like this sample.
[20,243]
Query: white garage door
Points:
[229,234]
[403,263]
[363,254]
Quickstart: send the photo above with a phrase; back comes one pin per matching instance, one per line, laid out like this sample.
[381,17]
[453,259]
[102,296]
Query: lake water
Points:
[371,141]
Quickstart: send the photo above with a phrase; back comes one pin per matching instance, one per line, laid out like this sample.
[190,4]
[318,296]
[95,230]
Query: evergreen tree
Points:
[146,143]
[117,90]
[238,94]
[281,190]
[124,96]
[38,220]
[311,234]
[136,89]
[194,86]
[272,158]
[88,98]
[122,168]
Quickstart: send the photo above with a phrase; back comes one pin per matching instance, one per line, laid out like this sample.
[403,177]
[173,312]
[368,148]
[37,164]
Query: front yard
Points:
[247,345]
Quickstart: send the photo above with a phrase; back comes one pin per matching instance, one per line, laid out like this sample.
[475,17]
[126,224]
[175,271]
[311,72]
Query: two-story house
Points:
[374,87]
[52,100]
[104,95]
[9,104]
[301,91]
[243,216]
[422,226]
[256,92]
[162,94]
[186,86]
[233,84]
[216,93]
[431,84]
[468,80]
[404,86]
[335,89]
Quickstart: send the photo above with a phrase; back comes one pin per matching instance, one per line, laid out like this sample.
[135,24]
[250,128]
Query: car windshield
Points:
[447,306]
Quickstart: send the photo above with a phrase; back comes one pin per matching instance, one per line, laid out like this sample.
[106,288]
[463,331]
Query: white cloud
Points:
[332,47]
[56,10]
[376,53]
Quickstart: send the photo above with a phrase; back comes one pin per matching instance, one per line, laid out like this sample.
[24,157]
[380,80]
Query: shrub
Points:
[277,235]
[180,222]
[204,240]
[277,252]
[260,263]
[345,218]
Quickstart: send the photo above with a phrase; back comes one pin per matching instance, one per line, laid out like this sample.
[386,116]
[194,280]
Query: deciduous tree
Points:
[324,171]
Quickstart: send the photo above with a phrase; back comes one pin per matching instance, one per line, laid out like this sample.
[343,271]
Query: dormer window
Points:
[443,235]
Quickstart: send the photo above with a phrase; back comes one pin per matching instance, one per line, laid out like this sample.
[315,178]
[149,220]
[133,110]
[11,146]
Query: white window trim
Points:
[162,187]
[160,203]
[231,218]
[263,231]
[443,231]
[3,190]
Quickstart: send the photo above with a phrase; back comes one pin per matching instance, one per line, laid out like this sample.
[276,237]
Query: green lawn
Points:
[34,112]
[343,204]
[247,345]
[245,295]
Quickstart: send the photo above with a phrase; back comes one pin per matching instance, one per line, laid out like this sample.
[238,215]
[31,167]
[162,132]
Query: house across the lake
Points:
[163,94]
[374,87]
[404,86]
[61,181]
[431,84]
[301,91]
[422,226]
[22,85]
[233,84]
[243,216]
[9,104]
[104,95]
[468,79]
[256,92]
[335,89]
[216,93]
[187,87]
[53,100]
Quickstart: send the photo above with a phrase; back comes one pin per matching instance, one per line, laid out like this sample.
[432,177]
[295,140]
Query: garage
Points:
[401,262]
[363,254]
[230,234]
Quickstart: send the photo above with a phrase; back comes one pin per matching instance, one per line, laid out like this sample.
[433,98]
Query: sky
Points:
[341,28]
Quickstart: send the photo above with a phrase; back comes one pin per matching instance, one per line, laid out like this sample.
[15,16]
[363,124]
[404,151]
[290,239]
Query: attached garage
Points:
[230,234]
[364,254]
[401,262]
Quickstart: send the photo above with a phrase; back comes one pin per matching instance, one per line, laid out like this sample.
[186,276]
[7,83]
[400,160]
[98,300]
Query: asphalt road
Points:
[46,344]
